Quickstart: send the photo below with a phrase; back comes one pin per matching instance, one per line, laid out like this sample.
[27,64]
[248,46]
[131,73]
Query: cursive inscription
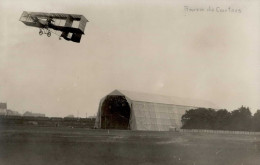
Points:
[216,9]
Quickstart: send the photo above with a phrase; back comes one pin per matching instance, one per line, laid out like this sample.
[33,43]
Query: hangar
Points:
[122,109]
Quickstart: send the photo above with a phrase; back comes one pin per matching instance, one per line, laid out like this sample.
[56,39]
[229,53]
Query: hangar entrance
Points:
[115,113]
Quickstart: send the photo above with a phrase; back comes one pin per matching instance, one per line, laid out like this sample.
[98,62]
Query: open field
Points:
[67,146]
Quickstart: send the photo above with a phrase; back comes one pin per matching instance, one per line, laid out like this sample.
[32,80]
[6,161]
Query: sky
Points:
[155,46]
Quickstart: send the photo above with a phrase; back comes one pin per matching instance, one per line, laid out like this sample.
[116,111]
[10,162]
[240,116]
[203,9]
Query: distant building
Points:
[92,117]
[12,113]
[69,116]
[27,113]
[3,105]
[3,108]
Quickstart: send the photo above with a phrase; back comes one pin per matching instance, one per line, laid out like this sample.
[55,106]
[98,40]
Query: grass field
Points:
[67,146]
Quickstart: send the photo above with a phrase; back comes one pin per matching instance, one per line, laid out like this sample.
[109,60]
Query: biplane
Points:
[71,26]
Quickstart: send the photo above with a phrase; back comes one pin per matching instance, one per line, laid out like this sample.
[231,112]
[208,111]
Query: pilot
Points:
[50,20]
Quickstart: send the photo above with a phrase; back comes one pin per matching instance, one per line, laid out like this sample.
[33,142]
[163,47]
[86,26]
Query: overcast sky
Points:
[144,46]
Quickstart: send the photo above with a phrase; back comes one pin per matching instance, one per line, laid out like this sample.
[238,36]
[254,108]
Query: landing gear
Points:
[49,33]
[45,31]
[40,32]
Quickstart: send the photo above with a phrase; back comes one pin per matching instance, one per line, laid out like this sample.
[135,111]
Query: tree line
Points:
[240,119]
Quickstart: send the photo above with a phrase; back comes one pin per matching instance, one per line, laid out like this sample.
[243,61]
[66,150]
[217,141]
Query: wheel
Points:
[40,32]
[49,34]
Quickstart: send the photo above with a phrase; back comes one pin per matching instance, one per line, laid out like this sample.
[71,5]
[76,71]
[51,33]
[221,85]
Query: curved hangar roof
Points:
[153,98]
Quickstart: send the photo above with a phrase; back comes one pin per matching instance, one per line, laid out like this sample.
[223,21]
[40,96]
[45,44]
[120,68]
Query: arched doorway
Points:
[115,113]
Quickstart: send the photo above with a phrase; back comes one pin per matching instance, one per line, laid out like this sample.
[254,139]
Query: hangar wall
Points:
[155,116]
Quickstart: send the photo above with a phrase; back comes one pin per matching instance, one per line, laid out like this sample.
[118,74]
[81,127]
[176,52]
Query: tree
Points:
[237,120]
[200,118]
[222,119]
[240,119]
[256,121]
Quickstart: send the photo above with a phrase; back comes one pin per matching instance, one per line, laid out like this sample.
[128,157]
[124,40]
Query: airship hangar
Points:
[129,110]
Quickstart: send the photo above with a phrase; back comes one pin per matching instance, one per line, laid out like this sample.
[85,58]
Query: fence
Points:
[220,131]
[46,121]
